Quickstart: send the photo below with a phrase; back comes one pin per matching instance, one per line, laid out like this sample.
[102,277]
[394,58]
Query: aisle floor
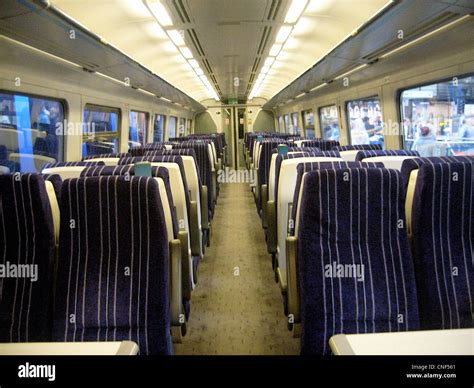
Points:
[237,307]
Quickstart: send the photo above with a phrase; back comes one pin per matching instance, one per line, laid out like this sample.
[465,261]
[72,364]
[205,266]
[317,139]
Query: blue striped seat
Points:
[303,168]
[105,156]
[375,153]
[358,147]
[353,218]
[72,164]
[113,269]
[410,165]
[26,238]
[157,172]
[324,145]
[443,234]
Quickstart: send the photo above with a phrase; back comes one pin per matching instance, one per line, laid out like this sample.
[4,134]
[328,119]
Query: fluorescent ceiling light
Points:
[300,95]
[159,12]
[283,34]
[351,71]
[111,78]
[194,64]
[147,92]
[166,99]
[275,49]
[317,87]
[176,37]
[265,69]
[269,61]
[296,9]
[186,52]
[199,71]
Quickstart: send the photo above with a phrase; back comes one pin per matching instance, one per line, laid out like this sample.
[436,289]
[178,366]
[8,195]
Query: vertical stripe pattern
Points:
[353,256]
[113,269]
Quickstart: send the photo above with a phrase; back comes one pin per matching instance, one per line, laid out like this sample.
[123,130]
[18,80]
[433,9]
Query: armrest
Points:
[186,269]
[195,230]
[282,280]
[176,302]
[292,272]
[204,208]
[272,227]
[264,206]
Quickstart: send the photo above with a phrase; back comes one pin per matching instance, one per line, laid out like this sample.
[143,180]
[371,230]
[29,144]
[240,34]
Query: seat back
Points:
[286,188]
[159,173]
[355,269]
[409,172]
[393,162]
[72,164]
[27,251]
[443,232]
[303,168]
[67,172]
[111,159]
[299,155]
[205,165]
[349,152]
[113,270]
[323,145]
[375,153]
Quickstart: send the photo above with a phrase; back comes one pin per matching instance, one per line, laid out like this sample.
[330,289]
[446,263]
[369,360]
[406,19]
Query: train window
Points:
[189,124]
[182,127]
[294,121]
[158,128]
[100,130]
[172,127]
[138,128]
[31,131]
[438,119]
[329,122]
[365,121]
[286,120]
[308,123]
[281,124]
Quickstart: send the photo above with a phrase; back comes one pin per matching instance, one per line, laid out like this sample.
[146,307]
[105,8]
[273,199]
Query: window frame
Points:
[348,119]
[163,129]
[109,134]
[303,121]
[338,118]
[419,85]
[168,127]
[286,122]
[295,127]
[64,103]
[145,135]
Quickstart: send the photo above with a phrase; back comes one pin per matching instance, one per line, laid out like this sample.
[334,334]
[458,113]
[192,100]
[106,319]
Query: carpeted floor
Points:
[236,307]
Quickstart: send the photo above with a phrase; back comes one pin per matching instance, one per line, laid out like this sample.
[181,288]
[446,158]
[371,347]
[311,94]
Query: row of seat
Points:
[128,253]
[382,242]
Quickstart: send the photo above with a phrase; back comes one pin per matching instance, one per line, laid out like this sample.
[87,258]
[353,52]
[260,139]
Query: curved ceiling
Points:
[229,39]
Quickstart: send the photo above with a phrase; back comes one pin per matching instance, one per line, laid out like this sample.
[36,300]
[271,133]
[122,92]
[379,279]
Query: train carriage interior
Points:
[236,177]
